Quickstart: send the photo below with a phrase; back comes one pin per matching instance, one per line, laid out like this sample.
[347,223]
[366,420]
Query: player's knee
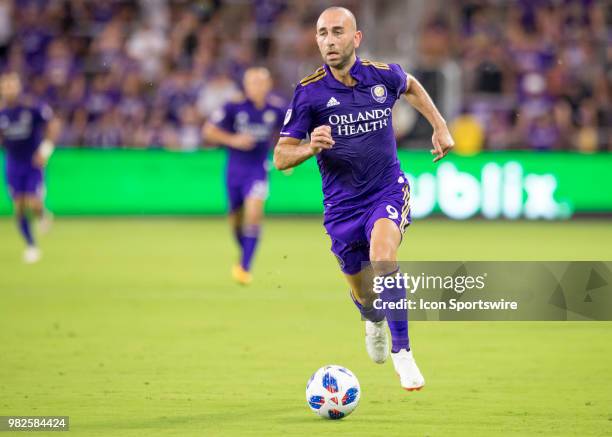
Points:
[34,204]
[382,253]
[19,207]
[253,219]
[383,258]
[253,213]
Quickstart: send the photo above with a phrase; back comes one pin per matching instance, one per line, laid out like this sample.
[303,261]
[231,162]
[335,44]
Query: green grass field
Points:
[132,327]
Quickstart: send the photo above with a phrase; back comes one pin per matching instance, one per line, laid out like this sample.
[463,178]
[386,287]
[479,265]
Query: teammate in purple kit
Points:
[27,132]
[247,129]
[345,107]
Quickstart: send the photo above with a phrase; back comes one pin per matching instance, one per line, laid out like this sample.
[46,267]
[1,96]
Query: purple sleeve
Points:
[224,117]
[397,80]
[298,119]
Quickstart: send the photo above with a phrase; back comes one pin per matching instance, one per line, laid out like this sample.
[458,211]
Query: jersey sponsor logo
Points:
[259,131]
[242,117]
[360,122]
[379,93]
[332,102]
[20,129]
[287,116]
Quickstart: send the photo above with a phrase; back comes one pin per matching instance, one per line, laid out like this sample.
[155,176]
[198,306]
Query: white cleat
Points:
[377,341]
[408,371]
[31,255]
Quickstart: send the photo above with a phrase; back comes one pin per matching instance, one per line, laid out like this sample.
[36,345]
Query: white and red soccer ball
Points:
[333,392]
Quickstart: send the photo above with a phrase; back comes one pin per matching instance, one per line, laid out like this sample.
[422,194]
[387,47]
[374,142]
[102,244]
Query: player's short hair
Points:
[345,10]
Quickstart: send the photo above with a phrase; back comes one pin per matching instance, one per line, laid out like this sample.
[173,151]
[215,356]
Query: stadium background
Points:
[132,325]
[531,76]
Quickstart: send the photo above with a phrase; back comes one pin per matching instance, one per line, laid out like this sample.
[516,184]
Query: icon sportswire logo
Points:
[332,102]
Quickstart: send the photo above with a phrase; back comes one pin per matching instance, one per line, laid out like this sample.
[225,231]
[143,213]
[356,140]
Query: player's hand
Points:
[38,160]
[442,143]
[243,142]
[321,139]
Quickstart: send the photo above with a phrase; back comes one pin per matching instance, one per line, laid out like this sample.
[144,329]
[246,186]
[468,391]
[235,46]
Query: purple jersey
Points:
[22,129]
[262,124]
[363,161]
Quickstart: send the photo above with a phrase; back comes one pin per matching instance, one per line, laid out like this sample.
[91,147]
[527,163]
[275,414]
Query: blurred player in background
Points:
[345,106]
[248,129]
[28,133]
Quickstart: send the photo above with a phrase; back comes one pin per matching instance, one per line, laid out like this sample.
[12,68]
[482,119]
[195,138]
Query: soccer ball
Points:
[333,392]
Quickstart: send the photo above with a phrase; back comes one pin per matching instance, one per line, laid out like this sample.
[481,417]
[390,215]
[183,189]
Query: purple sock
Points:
[372,314]
[396,319]
[238,236]
[250,237]
[24,228]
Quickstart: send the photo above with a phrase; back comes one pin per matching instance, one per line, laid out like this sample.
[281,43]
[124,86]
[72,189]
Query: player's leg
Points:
[384,243]
[23,222]
[17,180]
[376,338]
[362,294]
[387,224]
[35,202]
[31,253]
[251,195]
[235,221]
[251,229]
[351,248]
[235,199]
[33,197]
[33,205]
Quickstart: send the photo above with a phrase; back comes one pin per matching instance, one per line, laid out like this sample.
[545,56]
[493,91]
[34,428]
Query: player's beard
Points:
[344,58]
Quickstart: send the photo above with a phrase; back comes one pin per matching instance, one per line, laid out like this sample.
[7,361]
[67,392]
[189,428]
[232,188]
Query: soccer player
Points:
[28,133]
[248,129]
[345,106]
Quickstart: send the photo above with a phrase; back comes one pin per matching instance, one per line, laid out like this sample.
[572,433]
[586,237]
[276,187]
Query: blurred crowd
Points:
[535,74]
[147,74]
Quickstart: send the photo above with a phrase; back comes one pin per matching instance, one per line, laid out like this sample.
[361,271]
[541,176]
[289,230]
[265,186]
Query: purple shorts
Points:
[238,189]
[24,179]
[350,231]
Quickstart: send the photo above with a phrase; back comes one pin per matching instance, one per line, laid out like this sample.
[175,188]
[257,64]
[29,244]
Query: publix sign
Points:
[495,185]
[497,190]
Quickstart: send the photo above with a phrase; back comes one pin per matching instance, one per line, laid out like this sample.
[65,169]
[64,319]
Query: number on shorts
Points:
[393,214]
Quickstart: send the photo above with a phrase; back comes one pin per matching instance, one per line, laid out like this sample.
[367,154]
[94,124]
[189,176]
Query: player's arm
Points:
[417,96]
[290,152]
[217,135]
[47,145]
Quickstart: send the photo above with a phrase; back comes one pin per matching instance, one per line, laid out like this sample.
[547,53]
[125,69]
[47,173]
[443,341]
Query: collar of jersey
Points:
[355,72]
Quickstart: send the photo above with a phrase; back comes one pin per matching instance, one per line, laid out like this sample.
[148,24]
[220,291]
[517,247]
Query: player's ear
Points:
[357,38]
